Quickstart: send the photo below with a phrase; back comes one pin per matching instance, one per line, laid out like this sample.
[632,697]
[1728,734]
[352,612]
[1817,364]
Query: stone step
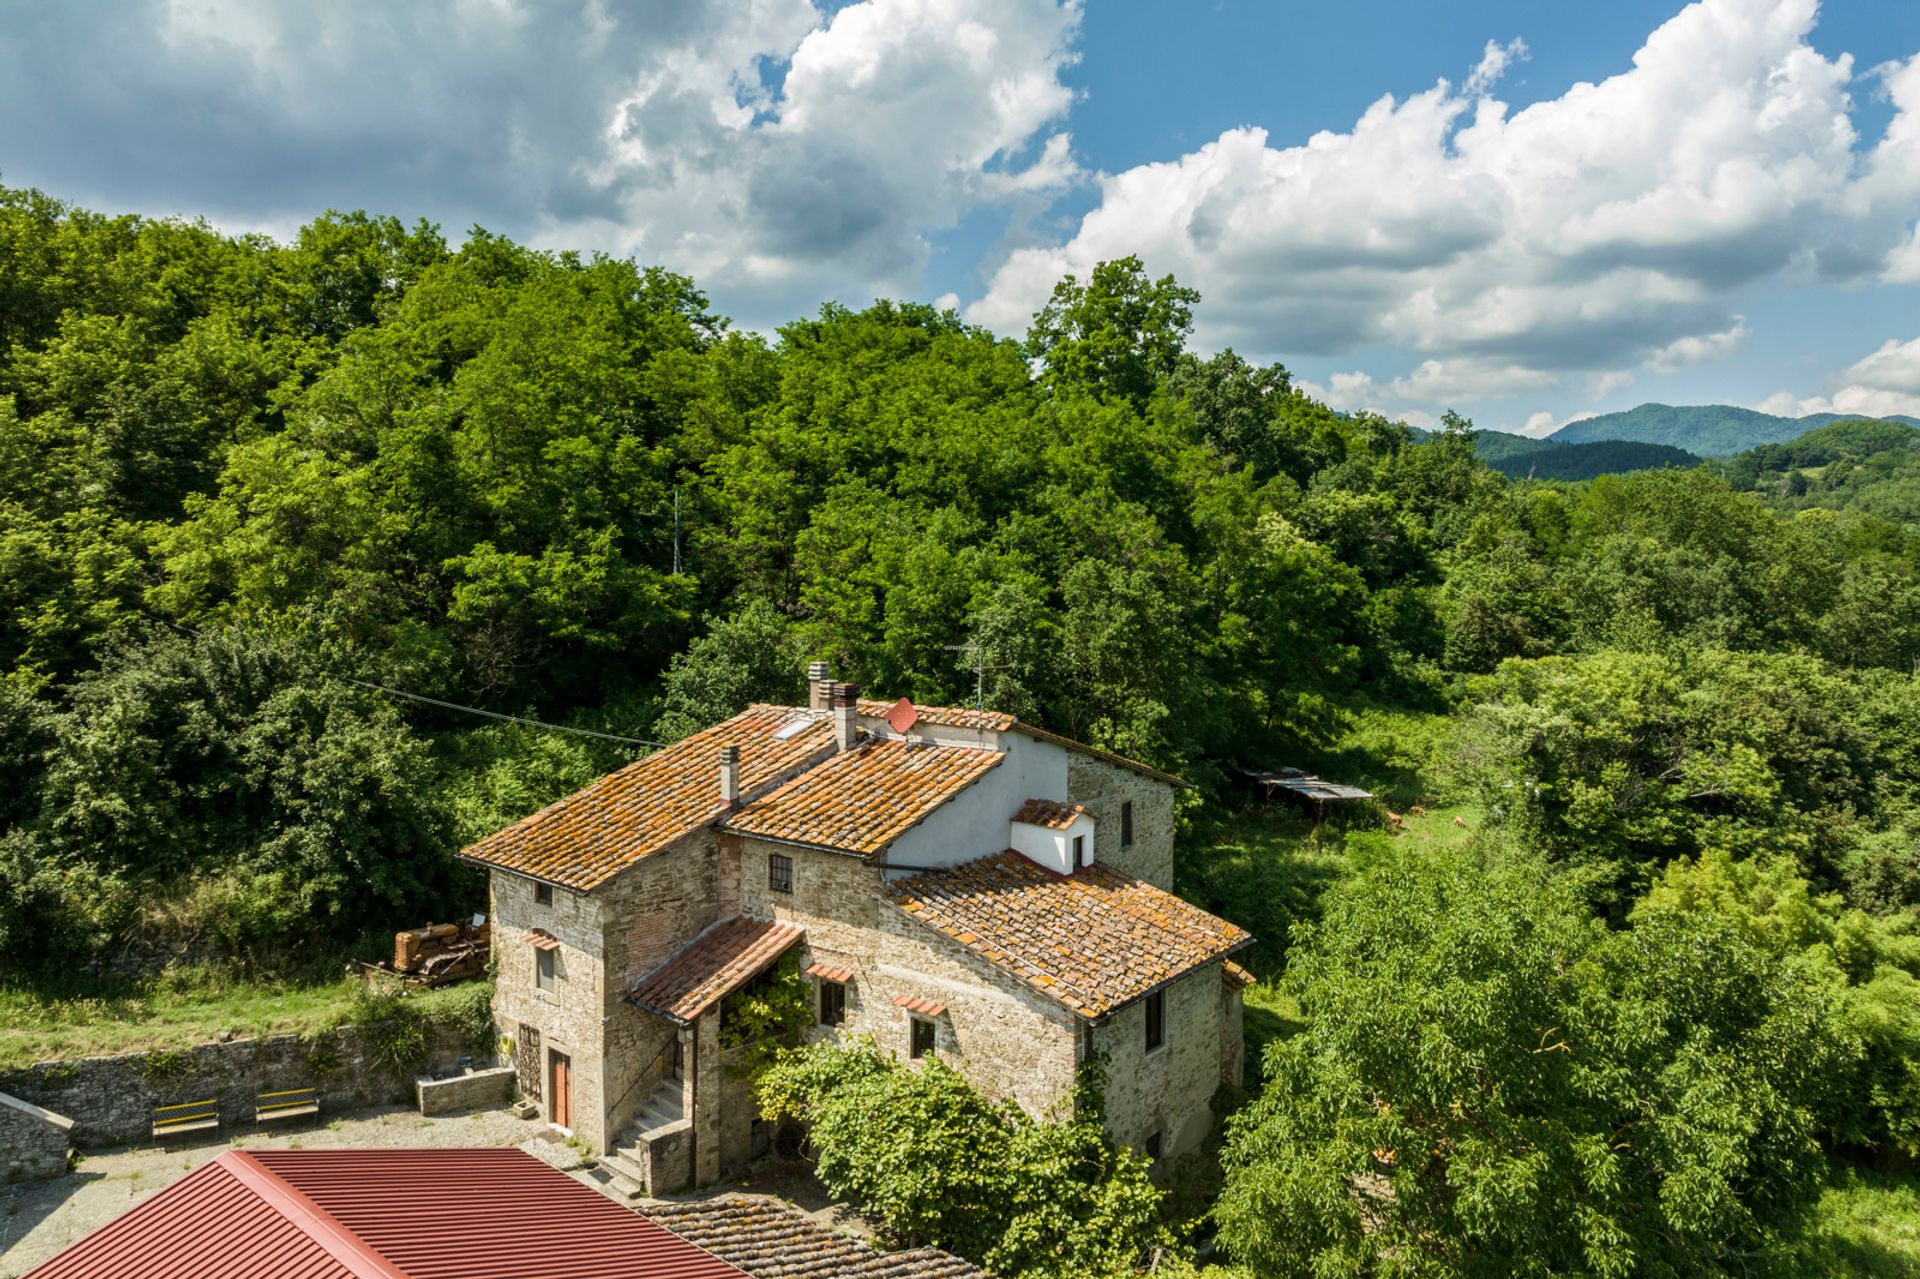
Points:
[629,1178]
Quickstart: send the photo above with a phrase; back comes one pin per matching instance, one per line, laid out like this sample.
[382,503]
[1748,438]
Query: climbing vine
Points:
[762,1017]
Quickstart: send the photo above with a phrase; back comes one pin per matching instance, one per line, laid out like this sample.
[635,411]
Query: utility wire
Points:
[456,706]
[511,719]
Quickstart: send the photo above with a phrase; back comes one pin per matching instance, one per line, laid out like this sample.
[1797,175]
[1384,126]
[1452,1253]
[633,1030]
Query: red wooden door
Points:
[561,1093]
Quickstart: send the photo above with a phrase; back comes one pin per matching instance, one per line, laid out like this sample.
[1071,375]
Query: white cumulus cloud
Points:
[1612,228]
[1887,381]
[781,153]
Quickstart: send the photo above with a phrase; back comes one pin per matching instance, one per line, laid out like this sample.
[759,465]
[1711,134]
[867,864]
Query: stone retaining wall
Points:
[111,1099]
[34,1143]
[488,1086]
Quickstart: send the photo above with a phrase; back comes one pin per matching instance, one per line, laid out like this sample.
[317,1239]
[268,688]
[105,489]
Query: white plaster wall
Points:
[1054,848]
[978,821]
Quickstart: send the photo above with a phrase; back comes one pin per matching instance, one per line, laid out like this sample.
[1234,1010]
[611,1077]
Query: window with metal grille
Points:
[779,872]
[833,1003]
[1156,1020]
[920,1037]
[1126,824]
[543,894]
[546,972]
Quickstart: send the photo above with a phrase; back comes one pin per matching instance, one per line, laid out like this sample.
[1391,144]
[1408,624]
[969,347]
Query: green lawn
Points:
[51,1022]
[1867,1226]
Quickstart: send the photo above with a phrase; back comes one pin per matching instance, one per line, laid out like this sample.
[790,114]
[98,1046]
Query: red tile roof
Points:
[946,716]
[1094,941]
[770,1240]
[1049,813]
[863,799]
[1001,722]
[585,839]
[715,964]
[915,1004]
[382,1214]
[827,972]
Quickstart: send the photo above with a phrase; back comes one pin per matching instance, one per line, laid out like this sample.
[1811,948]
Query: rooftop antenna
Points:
[980,668]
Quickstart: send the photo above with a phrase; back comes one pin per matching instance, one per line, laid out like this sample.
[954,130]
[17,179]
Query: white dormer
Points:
[1057,835]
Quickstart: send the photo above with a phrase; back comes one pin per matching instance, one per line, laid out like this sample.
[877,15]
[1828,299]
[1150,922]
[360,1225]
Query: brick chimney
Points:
[819,687]
[846,715]
[730,776]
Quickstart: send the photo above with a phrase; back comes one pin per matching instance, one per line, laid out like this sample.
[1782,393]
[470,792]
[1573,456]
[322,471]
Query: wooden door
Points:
[560,1093]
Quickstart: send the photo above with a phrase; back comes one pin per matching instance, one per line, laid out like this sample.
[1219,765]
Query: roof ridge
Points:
[319,1225]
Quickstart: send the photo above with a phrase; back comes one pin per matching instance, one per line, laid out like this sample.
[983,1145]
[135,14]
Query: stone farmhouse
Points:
[951,881]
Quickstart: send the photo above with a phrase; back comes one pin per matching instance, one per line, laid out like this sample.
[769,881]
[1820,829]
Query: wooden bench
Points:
[290,1104]
[187,1116]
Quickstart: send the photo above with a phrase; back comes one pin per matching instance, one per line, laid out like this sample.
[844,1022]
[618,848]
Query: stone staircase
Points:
[645,1151]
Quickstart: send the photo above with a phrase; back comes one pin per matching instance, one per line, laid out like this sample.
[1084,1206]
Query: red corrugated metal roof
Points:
[494,1213]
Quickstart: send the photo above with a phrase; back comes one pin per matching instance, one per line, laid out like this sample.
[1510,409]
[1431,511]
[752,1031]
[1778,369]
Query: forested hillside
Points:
[1710,430]
[1660,989]
[1588,461]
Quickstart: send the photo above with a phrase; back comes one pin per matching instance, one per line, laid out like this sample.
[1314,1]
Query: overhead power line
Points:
[511,719]
[454,706]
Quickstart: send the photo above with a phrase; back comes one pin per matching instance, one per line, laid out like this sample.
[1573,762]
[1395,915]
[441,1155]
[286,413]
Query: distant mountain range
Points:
[1708,430]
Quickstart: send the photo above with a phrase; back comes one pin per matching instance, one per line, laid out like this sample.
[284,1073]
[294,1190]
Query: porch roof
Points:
[712,966]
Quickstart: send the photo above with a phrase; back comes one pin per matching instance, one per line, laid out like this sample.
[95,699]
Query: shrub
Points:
[940,1164]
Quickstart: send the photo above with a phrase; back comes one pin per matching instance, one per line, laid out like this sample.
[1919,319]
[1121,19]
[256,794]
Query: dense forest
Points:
[259,499]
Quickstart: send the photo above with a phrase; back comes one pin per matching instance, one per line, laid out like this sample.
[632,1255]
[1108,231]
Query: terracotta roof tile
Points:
[1050,813]
[1095,940]
[585,839]
[770,1240]
[1001,722]
[719,961]
[863,799]
[1236,976]
[945,716]
[827,972]
[915,1004]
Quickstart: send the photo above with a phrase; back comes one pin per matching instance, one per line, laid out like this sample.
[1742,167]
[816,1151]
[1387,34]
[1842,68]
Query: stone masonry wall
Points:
[1007,1040]
[111,1099]
[1169,1090]
[608,939]
[1103,787]
[34,1143]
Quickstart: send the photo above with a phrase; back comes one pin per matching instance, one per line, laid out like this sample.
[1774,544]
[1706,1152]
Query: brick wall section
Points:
[1169,1090]
[111,1099]
[1103,787]
[34,1143]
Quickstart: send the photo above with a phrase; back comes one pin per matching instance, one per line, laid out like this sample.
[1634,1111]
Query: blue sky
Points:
[1725,213]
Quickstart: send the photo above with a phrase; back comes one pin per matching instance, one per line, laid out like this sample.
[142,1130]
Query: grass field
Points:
[185,1007]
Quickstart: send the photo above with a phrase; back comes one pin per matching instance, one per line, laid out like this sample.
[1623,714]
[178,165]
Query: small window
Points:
[1079,850]
[543,894]
[545,969]
[1126,824]
[779,872]
[1156,1020]
[833,1003]
[921,1041]
[1152,1145]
